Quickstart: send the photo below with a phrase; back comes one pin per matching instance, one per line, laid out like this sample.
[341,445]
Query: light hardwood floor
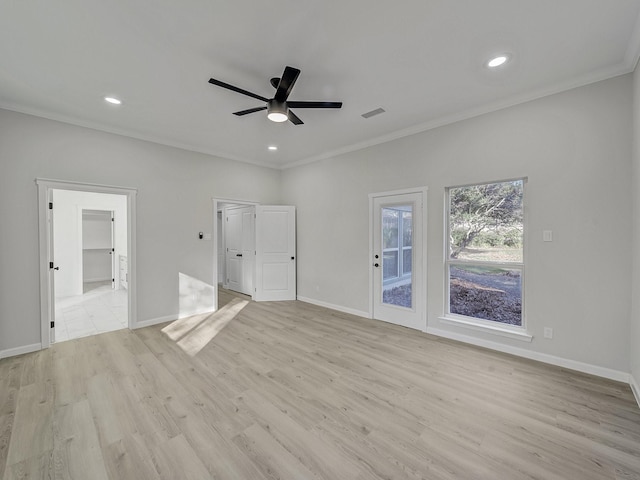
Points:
[293,391]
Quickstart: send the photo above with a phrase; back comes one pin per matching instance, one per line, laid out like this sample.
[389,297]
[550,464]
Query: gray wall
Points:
[175,190]
[575,149]
[635,286]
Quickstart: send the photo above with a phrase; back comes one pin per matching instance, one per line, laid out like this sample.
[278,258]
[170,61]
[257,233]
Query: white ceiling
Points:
[420,60]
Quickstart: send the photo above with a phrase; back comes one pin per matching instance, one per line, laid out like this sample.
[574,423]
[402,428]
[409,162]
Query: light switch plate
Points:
[547,236]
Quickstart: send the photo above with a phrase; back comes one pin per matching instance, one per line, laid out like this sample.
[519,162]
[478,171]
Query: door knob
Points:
[56,268]
[377,256]
[376,265]
[238,254]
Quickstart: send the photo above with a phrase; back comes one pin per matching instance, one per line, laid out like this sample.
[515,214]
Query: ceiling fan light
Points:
[277,117]
[277,111]
[497,61]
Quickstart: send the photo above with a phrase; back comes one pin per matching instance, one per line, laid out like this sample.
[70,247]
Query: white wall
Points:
[174,203]
[634,336]
[575,148]
[68,240]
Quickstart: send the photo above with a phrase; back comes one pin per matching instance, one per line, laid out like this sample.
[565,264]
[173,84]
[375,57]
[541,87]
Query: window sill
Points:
[515,333]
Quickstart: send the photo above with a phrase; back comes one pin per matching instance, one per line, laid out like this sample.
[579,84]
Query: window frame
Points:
[491,326]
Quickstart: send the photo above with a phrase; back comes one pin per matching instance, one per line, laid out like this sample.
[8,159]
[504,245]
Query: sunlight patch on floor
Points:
[193,333]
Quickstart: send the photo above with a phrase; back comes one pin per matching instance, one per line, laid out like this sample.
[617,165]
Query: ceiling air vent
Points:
[373,113]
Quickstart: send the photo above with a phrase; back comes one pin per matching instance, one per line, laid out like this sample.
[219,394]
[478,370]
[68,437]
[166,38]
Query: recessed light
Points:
[113,100]
[497,61]
[272,147]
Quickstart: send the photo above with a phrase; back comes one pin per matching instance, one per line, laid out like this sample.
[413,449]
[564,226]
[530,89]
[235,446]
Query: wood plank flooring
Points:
[294,391]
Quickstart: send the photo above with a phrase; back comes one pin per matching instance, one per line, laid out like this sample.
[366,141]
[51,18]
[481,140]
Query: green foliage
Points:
[486,215]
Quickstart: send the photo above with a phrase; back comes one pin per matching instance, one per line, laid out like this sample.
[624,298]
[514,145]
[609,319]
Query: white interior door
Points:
[275,253]
[233,243]
[247,246]
[240,248]
[221,249]
[399,293]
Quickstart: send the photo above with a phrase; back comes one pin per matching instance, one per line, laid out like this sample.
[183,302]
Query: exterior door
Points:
[275,253]
[239,239]
[399,293]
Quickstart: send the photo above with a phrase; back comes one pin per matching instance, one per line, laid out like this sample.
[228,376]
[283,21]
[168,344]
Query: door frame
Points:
[417,190]
[217,205]
[45,187]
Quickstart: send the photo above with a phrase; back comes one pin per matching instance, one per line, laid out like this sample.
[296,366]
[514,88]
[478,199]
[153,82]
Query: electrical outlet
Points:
[548,332]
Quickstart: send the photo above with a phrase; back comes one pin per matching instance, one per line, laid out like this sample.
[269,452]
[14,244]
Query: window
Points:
[485,258]
[396,243]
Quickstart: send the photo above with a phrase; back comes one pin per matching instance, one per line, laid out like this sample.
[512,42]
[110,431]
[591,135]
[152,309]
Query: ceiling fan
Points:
[278,107]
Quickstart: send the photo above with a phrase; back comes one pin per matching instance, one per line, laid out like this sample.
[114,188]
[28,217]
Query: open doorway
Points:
[86,250]
[235,245]
[267,248]
[89,234]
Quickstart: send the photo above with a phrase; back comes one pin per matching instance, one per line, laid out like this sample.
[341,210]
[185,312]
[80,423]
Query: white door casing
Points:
[414,314]
[52,269]
[275,253]
[45,189]
[113,250]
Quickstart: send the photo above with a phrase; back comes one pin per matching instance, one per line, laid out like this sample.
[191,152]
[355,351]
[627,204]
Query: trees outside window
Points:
[485,257]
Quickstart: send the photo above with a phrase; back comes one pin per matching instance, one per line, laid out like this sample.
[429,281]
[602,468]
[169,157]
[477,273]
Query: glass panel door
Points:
[397,250]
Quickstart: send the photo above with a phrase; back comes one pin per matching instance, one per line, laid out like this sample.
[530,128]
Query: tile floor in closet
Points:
[100,309]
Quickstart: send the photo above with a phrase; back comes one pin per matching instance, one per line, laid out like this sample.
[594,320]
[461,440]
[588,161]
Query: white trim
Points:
[154,321]
[12,352]
[320,303]
[44,187]
[96,279]
[593,77]
[635,388]
[158,140]
[596,370]
[503,331]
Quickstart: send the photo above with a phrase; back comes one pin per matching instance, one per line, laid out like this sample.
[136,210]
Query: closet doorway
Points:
[86,248]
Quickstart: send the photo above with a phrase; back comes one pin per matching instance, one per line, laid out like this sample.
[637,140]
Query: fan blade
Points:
[287,81]
[250,110]
[213,81]
[315,104]
[293,118]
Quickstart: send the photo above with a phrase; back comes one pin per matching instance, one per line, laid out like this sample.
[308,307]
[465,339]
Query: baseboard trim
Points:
[93,280]
[154,321]
[635,388]
[320,303]
[12,352]
[540,357]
